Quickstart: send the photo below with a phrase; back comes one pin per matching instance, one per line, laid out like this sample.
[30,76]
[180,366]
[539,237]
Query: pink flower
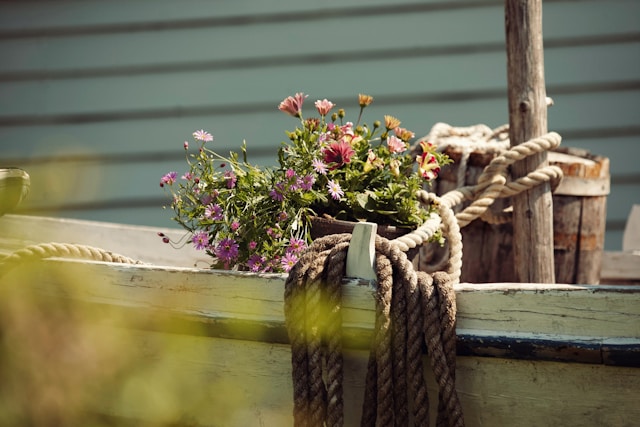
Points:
[296,245]
[338,154]
[200,240]
[335,191]
[292,105]
[168,178]
[319,166]
[395,144]
[428,166]
[185,145]
[324,106]
[202,135]
[235,225]
[427,163]
[288,261]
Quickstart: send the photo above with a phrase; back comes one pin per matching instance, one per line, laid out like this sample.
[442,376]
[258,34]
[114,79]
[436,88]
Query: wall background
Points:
[97,97]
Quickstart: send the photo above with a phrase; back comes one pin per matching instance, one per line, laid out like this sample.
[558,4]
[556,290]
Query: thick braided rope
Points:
[60,250]
[404,317]
[492,184]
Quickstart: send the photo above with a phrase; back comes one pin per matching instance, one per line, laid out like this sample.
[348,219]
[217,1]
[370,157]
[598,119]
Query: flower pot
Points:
[321,227]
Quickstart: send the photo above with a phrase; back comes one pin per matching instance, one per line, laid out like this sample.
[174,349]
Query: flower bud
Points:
[341,113]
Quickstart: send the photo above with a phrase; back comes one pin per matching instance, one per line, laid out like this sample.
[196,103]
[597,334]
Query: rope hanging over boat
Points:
[422,306]
[60,250]
[411,308]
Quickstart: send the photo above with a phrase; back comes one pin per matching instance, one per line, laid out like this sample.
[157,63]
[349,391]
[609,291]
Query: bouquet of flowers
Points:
[258,219]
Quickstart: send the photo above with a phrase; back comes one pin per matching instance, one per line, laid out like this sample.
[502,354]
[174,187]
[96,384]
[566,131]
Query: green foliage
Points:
[257,219]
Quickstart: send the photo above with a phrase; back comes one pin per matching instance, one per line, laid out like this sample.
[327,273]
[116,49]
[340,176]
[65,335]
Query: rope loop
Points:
[412,308]
[60,250]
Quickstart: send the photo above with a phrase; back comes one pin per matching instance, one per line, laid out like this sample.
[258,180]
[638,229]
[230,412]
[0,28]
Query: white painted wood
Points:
[190,373]
[631,237]
[620,267]
[137,242]
[361,255]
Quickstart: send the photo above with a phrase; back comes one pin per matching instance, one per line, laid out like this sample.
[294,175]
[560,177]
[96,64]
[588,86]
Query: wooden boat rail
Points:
[543,350]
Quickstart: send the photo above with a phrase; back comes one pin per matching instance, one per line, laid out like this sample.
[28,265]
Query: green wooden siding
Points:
[96,97]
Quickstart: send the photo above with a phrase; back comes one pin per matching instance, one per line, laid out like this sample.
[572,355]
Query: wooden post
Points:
[532,210]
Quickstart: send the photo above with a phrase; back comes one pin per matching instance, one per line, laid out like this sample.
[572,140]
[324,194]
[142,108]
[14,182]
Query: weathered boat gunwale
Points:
[528,353]
[248,306]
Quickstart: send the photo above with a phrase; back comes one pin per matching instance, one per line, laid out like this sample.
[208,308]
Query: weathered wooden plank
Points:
[157,372]
[564,312]
[160,344]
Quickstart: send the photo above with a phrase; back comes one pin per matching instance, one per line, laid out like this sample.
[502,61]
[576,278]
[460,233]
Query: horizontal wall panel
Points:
[581,113]
[438,76]
[31,18]
[74,14]
[342,34]
[220,46]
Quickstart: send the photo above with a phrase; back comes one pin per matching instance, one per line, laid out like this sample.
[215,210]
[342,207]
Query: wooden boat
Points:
[170,342]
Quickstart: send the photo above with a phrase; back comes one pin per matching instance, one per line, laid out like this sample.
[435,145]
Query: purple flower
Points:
[288,261]
[255,262]
[278,191]
[200,240]
[253,244]
[307,182]
[334,190]
[187,176]
[168,178]
[227,249]
[213,212]
[202,135]
[231,179]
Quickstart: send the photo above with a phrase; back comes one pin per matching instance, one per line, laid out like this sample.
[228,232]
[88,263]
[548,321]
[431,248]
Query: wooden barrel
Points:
[579,209]
[579,215]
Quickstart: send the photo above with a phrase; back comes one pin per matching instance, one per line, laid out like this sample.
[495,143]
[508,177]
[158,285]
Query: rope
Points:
[492,183]
[411,308]
[60,250]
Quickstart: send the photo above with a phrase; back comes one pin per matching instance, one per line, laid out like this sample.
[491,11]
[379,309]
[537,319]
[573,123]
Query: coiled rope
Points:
[412,308]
